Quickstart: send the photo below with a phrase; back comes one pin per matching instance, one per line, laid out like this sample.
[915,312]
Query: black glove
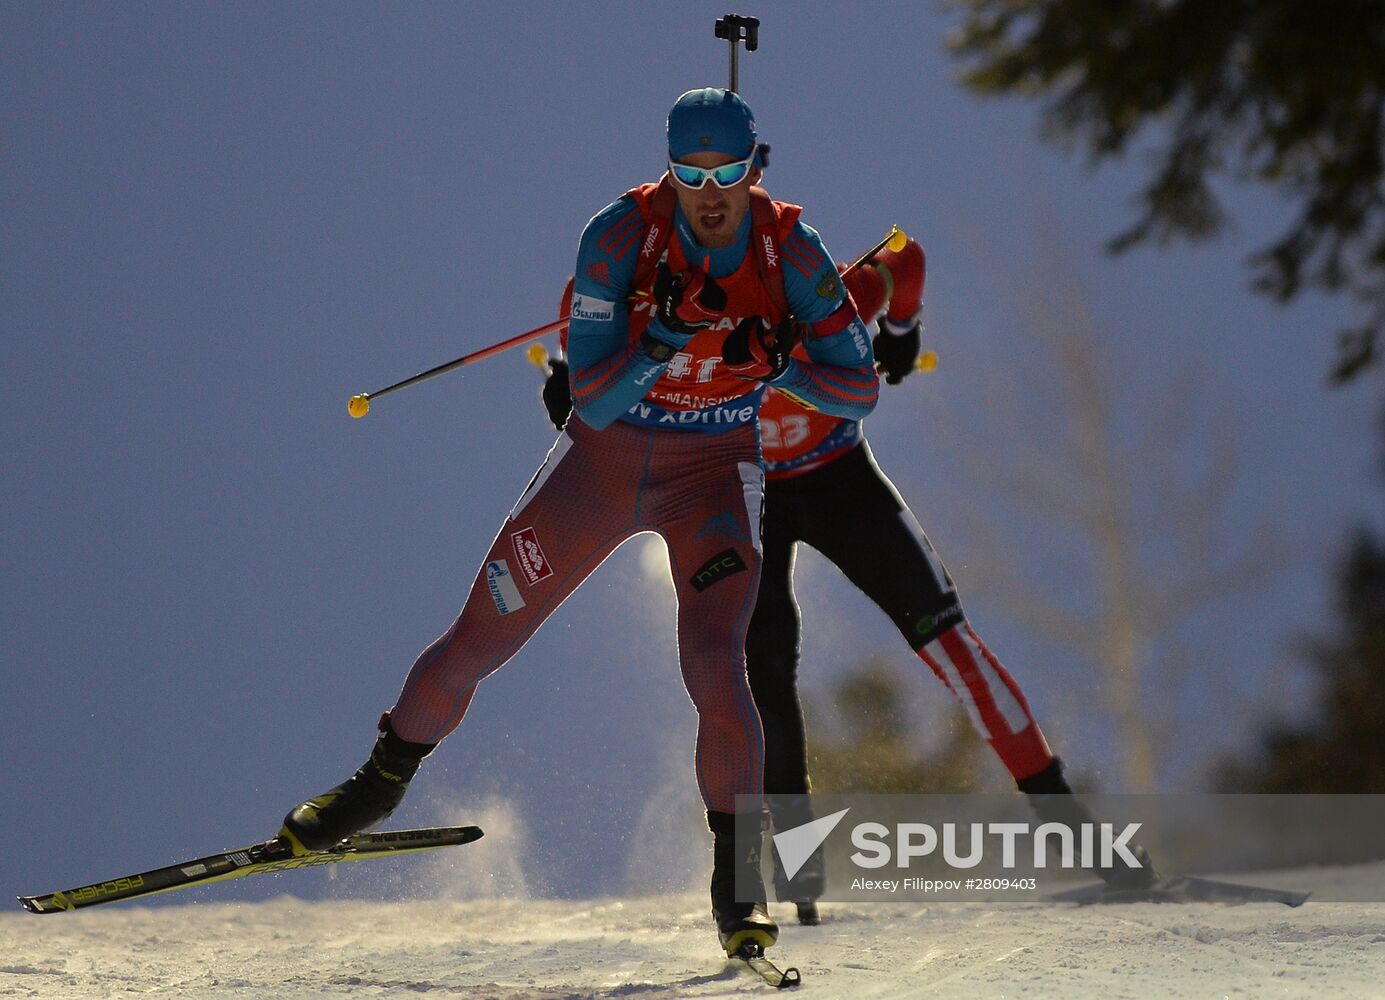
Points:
[755,351]
[557,393]
[896,350]
[688,302]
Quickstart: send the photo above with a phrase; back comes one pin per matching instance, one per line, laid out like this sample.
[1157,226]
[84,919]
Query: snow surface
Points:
[664,947]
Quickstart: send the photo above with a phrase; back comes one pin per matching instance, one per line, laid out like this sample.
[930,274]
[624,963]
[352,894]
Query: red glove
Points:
[906,271]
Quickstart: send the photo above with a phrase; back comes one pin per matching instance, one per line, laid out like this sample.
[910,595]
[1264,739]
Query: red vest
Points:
[695,377]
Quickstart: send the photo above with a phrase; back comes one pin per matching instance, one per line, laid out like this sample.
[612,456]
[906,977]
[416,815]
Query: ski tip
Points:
[752,953]
[34,904]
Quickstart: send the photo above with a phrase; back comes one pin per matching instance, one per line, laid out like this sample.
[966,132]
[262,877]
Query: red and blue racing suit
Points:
[667,446]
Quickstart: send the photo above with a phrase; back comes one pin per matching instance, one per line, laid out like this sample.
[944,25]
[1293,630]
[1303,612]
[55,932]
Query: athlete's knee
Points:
[774,688]
[774,668]
[920,628]
[771,649]
[715,682]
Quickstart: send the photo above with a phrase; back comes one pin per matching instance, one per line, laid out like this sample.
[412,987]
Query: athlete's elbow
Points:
[873,396]
[861,404]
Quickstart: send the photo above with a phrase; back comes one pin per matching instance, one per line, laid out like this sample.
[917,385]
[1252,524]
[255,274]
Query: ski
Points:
[1181,889]
[259,859]
[754,958]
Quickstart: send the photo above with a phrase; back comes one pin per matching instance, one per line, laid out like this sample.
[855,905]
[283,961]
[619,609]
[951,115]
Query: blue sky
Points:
[220,221]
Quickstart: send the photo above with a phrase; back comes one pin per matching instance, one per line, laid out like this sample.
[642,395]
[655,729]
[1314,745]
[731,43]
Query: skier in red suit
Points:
[690,296]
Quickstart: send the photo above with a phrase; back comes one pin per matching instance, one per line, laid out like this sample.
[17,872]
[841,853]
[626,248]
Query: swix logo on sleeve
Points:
[771,252]
[597,310]
[727,562]
[650,241]
[502,587]
[532,562]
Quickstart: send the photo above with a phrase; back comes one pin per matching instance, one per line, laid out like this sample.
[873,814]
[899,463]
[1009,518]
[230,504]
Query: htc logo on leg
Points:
[725,563]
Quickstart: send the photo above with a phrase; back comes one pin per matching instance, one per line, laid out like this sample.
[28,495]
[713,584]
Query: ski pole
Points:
[360,403]
[894,240]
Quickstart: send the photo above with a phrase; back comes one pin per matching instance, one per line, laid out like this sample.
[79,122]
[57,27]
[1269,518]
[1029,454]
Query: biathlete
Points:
[688,295]
[824,489]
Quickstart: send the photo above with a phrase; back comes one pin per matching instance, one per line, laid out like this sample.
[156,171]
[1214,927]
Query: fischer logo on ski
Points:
[271,856]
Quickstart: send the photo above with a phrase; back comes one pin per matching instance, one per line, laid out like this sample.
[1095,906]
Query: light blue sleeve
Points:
[610,372]
[841,379]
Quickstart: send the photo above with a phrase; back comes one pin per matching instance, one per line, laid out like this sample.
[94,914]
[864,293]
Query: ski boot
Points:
[808,883]
[360,802]
[1053,801]
[742,927]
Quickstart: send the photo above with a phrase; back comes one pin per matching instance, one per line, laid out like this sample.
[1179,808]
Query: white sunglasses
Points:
[725,176]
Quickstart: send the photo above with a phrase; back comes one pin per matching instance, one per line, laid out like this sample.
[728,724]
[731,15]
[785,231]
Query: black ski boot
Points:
[1053,801]
[739,924]
[361,801]
[808,883]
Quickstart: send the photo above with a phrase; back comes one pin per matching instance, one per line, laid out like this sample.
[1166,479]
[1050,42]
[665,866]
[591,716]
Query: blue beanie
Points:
[710,120]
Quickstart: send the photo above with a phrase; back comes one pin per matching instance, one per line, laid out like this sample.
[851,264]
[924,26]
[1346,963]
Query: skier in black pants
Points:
[824,489]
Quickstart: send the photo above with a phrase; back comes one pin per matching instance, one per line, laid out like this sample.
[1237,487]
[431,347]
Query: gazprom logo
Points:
[504,591]
[596,310]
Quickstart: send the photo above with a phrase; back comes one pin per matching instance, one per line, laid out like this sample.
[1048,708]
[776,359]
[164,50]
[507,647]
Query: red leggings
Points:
[702,493]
